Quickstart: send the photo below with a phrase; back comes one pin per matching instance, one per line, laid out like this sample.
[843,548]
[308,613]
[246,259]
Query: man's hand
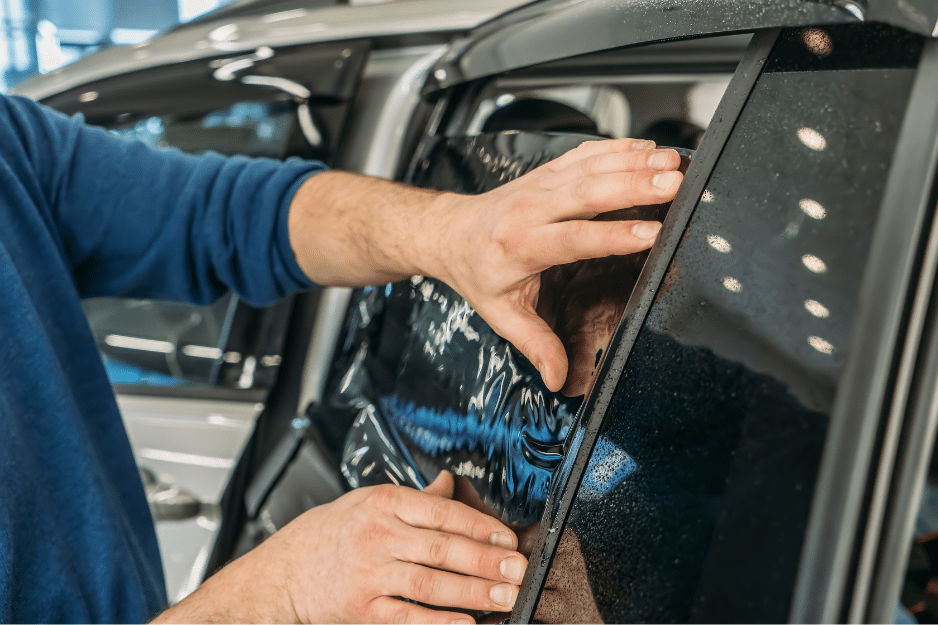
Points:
[355,559]
[491,248]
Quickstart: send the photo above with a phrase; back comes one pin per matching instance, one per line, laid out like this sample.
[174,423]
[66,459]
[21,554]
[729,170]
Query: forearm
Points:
[241,592]
[353,230]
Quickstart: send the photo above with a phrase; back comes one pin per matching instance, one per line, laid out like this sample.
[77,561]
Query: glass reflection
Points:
[813,263]
[719,244]
[820,344]
[812,209]
[732,284]
[817,309]
[812,138]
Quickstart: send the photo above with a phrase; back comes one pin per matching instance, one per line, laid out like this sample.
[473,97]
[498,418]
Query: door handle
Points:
[168,502]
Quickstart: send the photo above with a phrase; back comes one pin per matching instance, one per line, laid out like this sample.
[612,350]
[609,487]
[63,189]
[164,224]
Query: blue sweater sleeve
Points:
[139,222]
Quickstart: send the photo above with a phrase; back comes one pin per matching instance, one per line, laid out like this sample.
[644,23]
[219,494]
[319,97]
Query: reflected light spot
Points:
[812,209]
[733,284]
[817,309]
[820,344]
[283,16]
[202,351]
[133,342]
[88,96]
[228,32]
[813,263]
[719,243]
[812,138]
[707,196]
[504,99]
[817,41]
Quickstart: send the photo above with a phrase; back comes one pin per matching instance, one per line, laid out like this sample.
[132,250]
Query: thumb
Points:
[443,486]
[534,338]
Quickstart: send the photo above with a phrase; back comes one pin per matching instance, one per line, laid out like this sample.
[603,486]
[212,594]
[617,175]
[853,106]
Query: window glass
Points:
[672,110]
[252,128]
[158,343]
[695,498]
[169,344]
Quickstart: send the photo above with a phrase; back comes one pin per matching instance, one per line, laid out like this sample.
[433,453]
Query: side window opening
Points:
[150,343]
[670,110]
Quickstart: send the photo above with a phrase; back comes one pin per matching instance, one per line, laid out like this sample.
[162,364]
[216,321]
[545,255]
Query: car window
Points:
[670,110]
[695,497]
[253,128]
[154,343]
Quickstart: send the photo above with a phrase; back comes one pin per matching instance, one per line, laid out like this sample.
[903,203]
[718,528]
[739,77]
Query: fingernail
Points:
[503,595]
[666,180]
[659,160]
[511,568]
[643,145]
[461,621]
[502,539]
[646,229]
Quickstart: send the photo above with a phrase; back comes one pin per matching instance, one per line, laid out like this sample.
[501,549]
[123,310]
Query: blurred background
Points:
[39,36]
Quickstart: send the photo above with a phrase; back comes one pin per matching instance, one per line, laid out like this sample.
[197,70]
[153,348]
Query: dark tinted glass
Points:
[694,501]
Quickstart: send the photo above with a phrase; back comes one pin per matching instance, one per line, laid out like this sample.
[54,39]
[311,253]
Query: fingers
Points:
[594,148]
[388,610]
[460,555]
[419,509]
[589,196]
[533,337]
[443,486]
[570,241]
[615,162]
[435,587]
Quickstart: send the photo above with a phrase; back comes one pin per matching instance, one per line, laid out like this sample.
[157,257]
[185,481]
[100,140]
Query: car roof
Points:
[555,29]
[232,35]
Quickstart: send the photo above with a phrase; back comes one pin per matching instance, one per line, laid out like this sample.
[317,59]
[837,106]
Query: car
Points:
[293,78]
[748,430]
[753,443]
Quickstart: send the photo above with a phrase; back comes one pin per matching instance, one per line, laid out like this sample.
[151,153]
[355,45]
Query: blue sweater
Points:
[84,213]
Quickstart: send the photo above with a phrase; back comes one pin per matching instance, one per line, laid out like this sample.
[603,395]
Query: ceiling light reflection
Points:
[133,342]
[813,263]
[812,209]
[202,351]
[817,309]
[821,345]
[707,196]
[812,138]
[719,243]
[732,284]
[817,41]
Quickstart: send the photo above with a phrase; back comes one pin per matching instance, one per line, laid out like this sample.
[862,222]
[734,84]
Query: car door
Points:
[699,448]
[753,347]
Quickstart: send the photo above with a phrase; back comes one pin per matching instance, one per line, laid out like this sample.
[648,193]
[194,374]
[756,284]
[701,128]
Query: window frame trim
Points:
[873,397]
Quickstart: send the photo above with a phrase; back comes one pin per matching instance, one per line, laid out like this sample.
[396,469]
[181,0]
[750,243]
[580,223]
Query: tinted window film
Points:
[695,499]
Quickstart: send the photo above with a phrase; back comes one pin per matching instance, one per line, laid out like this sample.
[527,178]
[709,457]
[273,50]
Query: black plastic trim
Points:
[916,163]
[858,419]
[557,29]
[208,393]
[593,413]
